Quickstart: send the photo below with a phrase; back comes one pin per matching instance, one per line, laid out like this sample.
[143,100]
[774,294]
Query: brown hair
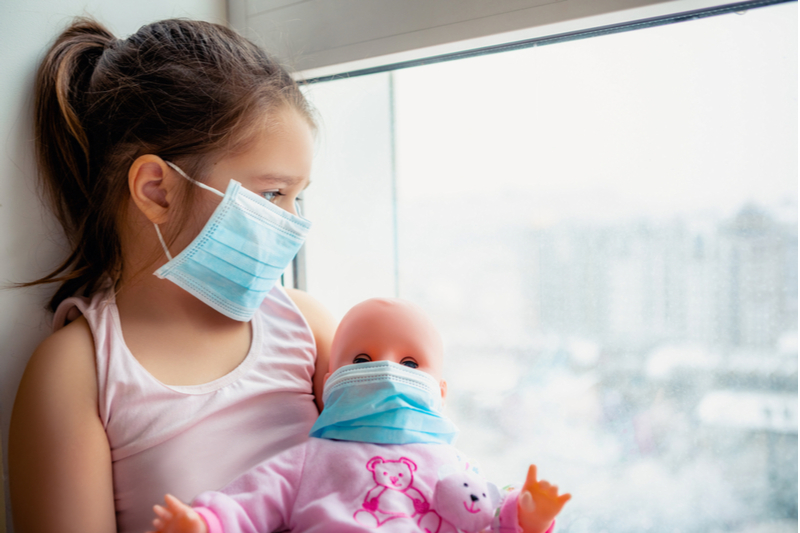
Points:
[184,90]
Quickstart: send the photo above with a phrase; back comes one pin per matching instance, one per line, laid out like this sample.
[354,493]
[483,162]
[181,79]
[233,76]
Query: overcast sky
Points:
[695,116]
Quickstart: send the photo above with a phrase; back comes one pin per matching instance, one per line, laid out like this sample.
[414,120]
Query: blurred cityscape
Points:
[648,367]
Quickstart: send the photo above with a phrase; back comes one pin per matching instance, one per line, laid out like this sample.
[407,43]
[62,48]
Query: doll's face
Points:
[383,329]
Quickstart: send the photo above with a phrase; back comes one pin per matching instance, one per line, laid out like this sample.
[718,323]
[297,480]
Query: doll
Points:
[380,456]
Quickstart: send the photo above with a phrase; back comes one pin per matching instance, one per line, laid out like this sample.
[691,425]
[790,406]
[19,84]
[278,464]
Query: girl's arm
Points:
[59,457]
[323,325]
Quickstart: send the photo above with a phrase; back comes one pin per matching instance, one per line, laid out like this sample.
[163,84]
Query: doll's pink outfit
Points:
[331,486]
[184,440]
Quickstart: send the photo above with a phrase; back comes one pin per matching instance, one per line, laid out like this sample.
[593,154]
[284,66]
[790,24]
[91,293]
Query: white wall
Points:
[30,241]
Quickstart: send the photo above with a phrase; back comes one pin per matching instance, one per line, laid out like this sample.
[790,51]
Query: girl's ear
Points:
[152,186]
[443,388]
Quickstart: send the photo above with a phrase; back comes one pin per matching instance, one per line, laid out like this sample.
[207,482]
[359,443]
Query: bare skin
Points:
[58,449]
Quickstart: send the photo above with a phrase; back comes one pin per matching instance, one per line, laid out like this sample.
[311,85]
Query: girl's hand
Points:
[538,504]
[177,517]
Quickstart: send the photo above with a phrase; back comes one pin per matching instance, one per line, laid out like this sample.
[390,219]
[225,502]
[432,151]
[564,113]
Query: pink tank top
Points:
[184,440]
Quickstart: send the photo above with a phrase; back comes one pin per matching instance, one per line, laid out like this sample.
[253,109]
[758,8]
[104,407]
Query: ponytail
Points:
[62,146]
[61,142]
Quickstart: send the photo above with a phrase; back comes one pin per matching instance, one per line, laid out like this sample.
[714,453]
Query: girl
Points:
[180,381]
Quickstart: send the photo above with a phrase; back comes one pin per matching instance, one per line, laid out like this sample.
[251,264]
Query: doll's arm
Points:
[538,504]
[177,517]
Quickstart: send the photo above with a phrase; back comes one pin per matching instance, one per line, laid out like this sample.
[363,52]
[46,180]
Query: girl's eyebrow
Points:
[282,179]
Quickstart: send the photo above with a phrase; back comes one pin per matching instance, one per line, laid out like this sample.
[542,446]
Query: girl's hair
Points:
[183,90]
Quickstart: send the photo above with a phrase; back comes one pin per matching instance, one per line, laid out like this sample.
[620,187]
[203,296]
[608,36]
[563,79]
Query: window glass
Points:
[605,233]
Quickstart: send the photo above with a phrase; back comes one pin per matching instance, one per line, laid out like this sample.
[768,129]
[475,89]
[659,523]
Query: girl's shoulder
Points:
[318,317]
[65,361]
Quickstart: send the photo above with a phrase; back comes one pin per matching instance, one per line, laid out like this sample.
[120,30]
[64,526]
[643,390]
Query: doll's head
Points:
[388,329]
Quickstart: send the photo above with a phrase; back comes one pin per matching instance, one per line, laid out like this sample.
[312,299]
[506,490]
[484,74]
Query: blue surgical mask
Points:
[383,403]
[239,255]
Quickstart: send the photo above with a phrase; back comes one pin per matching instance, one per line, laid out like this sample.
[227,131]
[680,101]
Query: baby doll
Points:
[379,456]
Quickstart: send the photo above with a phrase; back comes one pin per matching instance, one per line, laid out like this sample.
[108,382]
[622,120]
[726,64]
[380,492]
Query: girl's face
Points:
[276,165]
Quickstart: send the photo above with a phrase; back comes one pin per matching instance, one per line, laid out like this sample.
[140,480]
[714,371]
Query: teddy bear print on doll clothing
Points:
[393,495]
[464,499]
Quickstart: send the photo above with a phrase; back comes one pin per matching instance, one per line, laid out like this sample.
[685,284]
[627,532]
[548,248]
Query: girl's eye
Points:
[361,358]
[409,363]
[271,196]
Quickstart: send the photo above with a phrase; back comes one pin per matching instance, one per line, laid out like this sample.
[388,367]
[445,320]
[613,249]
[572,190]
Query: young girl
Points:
[381,457]
[178,152]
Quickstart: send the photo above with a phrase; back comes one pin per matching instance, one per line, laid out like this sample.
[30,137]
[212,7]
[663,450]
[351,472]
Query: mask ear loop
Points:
[177,169]
[163,244]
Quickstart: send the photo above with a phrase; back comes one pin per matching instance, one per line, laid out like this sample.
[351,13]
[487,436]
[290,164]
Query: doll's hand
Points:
[177,517]
[538,503]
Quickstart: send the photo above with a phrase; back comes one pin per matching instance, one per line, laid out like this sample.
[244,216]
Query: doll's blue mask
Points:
[239,255]
[384,403]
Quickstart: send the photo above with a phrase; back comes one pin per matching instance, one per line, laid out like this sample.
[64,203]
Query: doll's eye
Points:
[484,494]
[466,484]
[361,358]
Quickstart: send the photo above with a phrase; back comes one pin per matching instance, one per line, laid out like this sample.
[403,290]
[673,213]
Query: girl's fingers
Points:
[161,512]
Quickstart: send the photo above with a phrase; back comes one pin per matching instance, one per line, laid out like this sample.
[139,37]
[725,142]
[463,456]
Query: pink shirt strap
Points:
[211,519]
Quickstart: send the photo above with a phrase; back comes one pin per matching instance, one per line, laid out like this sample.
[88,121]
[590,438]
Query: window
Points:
[605,232]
